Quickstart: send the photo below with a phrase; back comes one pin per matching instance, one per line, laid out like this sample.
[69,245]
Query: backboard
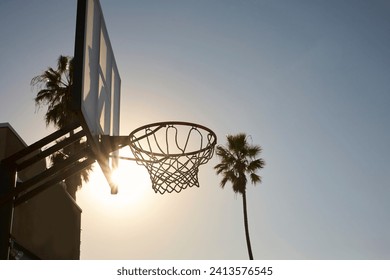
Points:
[96,80]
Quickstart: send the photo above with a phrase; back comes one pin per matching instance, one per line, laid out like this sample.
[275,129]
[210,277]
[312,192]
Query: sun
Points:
[133,183]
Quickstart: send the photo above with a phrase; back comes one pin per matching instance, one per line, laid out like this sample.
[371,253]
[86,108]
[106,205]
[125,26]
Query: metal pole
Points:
[7,183]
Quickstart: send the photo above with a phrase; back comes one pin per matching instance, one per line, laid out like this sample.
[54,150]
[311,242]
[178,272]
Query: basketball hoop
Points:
[172,153]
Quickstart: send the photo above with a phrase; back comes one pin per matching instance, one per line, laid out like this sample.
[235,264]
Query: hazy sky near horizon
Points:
[307,80]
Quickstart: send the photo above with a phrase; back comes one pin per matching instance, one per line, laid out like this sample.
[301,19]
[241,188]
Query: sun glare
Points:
[132,181]
[119,176]
[133,184]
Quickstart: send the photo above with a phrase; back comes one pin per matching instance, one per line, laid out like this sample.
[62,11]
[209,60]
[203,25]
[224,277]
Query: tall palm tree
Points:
[237,160]
[55,91]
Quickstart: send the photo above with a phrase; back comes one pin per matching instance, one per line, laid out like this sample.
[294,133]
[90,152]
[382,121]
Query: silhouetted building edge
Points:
[47,226]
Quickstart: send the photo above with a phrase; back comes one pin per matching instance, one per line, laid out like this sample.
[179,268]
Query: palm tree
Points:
[55,91]
[238,160]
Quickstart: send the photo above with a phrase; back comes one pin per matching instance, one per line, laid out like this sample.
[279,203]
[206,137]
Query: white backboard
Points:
[97,83]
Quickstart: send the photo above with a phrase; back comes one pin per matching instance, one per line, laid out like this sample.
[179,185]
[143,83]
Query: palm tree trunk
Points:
[248,241]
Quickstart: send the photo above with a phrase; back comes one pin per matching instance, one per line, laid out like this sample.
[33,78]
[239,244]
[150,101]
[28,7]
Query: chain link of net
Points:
[172,153]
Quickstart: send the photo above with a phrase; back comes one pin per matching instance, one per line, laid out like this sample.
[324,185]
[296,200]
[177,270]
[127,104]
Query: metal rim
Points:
[160,125]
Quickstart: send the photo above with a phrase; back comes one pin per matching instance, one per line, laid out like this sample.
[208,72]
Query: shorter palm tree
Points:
[55,91]
[239,159]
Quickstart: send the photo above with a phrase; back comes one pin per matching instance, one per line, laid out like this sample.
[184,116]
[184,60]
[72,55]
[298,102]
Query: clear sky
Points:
[307,80]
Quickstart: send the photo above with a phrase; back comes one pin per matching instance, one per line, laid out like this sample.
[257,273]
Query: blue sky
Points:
[307,80]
